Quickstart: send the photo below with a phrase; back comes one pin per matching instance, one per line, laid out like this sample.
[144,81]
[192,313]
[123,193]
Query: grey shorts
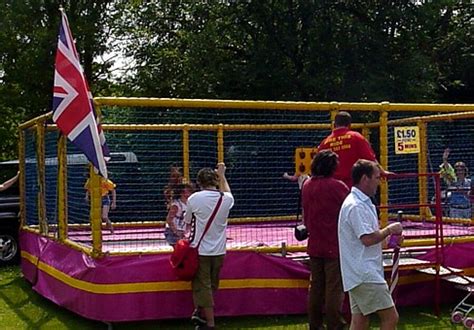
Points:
[368,298]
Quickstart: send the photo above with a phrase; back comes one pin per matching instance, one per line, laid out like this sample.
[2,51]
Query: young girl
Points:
[175,226]
[106,187]
[175,179]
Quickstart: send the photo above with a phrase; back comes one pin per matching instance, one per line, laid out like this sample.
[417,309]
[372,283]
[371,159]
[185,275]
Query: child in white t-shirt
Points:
[175,226]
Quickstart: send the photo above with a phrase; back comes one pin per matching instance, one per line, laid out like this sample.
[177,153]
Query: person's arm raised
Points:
[223,184]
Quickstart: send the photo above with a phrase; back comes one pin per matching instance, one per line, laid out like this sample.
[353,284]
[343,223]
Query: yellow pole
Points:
[366,133]
[40,150]
[62,188]
[277,105]
[422,168]
[384,162]
[186,153]
[334,108]
[22,169]
[95,212]
[220,144]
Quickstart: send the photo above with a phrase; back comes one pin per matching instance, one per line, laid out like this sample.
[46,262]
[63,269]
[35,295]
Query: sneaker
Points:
[204,327]
[197,319]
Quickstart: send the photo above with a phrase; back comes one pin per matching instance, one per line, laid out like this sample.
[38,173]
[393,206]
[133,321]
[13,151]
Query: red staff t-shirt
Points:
[350,146]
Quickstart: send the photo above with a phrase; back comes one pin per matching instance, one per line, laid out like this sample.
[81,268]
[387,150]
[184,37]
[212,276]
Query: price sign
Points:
[407,140]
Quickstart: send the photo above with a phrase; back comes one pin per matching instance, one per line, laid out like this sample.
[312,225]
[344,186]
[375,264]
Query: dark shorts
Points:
[105,200]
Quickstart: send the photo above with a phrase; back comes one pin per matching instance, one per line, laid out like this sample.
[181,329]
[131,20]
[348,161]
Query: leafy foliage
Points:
[28,39]
[281,50]
[306,50]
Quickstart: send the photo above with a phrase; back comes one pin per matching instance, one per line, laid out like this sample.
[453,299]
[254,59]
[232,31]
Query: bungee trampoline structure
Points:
[78,263]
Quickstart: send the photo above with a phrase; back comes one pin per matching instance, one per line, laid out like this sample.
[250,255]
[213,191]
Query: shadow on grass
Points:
[23,308]
[423,318]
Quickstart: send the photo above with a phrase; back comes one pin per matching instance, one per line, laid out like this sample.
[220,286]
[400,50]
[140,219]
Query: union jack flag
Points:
[73,106]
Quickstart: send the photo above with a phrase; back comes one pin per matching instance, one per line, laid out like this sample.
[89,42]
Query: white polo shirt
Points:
[201,204]
[359,263]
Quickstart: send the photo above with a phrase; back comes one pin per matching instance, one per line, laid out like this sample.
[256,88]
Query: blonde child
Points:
[107,187]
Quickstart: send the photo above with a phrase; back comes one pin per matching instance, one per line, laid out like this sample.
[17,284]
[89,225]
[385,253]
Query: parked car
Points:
[9,216]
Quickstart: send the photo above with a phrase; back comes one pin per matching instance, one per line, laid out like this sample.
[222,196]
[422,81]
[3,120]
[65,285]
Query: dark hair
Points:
[361,167]
[207,177]
[179,188]
[343,119]
[324,163]
[175,179]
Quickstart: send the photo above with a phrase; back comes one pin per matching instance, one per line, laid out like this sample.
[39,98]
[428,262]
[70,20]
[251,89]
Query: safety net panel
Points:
[31,178]
[453,139]
[160,115]
[51,175]
[449,137]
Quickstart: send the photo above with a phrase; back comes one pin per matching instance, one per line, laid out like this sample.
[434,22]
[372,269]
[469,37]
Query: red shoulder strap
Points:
[211,218]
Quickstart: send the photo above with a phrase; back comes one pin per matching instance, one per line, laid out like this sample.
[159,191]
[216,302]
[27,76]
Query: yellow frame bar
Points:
[333,107]
[95,212]
[40,155]
[220,143]
[276,105]
[423,168]
[384,163]
[62,189]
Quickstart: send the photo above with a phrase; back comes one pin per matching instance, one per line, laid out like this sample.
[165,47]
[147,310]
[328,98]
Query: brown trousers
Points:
[325,292]
[206,281]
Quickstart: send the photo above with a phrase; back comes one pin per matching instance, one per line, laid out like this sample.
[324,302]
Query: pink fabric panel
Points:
[178,304]
[155,268]
[456,255]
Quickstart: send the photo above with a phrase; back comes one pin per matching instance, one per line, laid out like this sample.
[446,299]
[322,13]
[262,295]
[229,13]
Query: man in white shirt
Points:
[200,207]
[360,249]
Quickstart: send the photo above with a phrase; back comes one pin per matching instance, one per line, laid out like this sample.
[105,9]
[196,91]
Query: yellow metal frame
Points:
[384,163]
[41,198]
[423,168]
[452,111]
[62,189]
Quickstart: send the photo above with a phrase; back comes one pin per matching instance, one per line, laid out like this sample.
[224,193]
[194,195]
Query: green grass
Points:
[22,308]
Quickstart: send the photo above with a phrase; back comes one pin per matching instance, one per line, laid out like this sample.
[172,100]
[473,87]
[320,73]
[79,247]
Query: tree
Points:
[27,54]
[280,50]
[305,50]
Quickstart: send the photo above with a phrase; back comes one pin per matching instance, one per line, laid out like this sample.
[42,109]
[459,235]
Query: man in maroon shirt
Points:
[349,145]
[322,197]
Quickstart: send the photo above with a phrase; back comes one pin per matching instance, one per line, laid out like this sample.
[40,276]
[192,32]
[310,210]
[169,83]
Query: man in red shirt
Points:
[322,198]
[349,145]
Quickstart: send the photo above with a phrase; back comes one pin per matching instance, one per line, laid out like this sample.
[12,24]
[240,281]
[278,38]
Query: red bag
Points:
[184,260]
